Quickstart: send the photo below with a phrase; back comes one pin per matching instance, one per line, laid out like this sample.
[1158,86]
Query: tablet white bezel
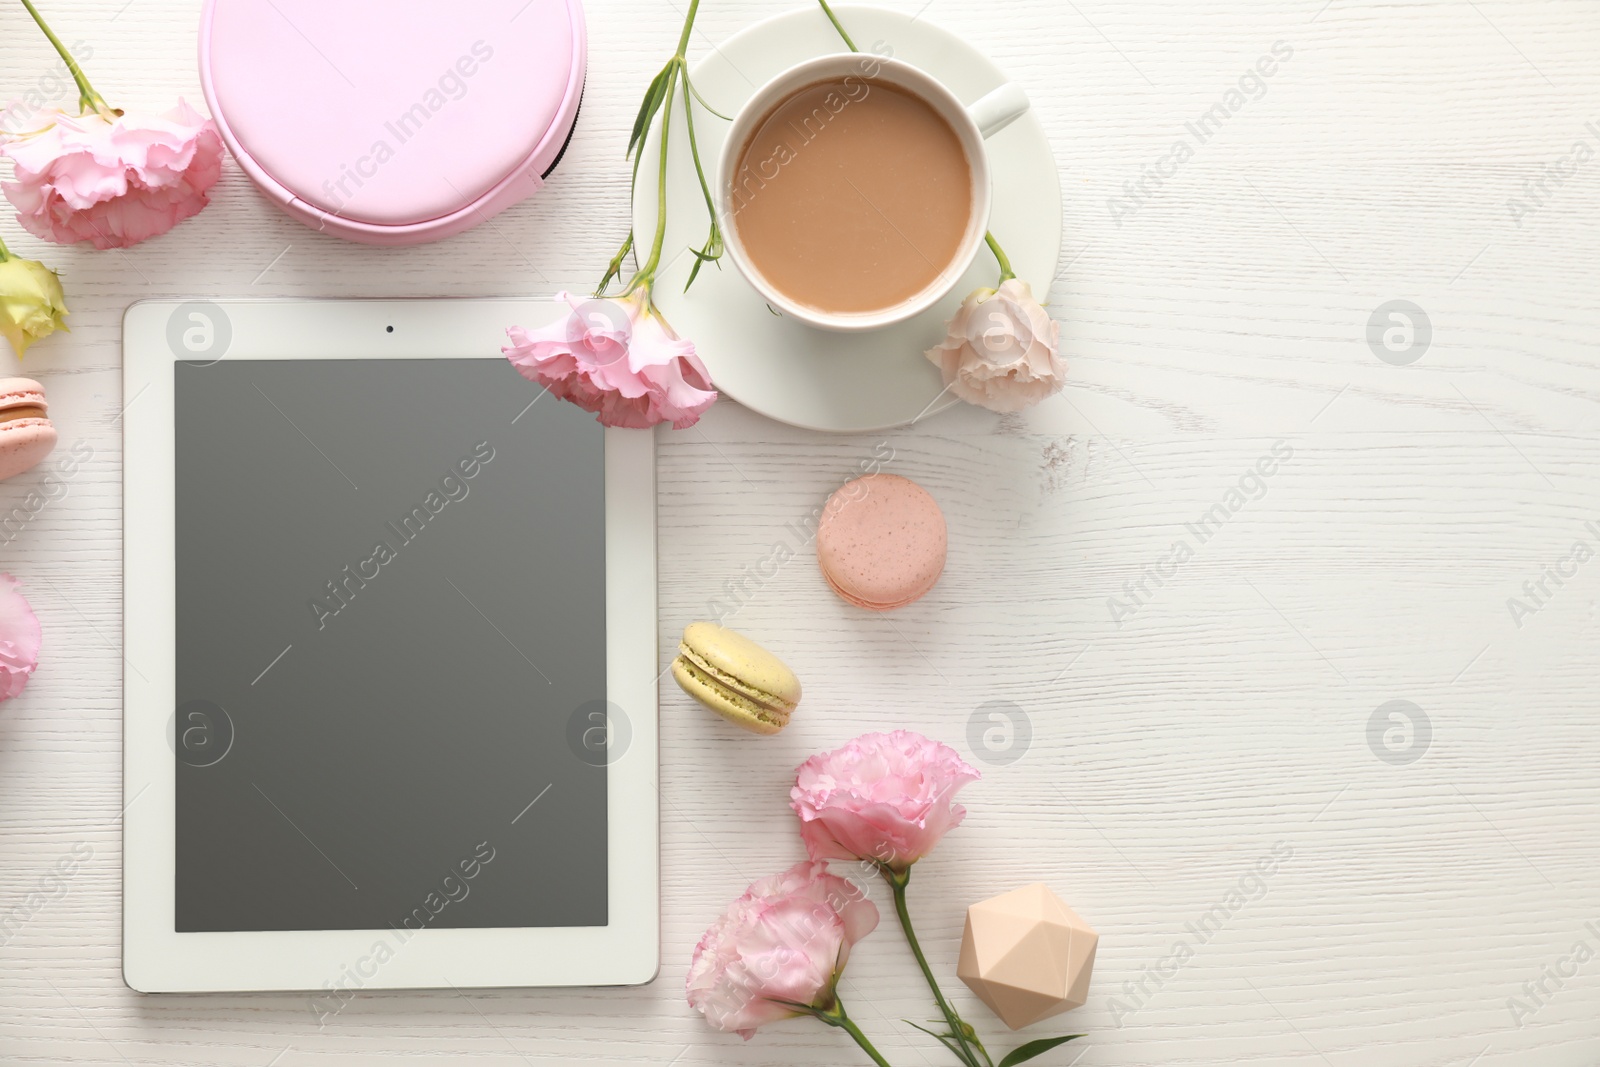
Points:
[158,959]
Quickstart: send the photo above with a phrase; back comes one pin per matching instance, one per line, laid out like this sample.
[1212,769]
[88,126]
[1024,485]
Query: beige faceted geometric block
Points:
[1027,955]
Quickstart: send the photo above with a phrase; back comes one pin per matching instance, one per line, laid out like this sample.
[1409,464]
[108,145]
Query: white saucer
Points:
[783,369]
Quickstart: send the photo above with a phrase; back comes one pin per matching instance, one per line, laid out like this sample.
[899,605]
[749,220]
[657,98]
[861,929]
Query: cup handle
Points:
[999,109]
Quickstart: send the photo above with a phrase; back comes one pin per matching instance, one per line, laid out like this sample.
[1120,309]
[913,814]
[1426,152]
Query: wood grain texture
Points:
[1171,748]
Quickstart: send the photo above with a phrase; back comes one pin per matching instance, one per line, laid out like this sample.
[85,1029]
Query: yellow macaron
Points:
[736,678]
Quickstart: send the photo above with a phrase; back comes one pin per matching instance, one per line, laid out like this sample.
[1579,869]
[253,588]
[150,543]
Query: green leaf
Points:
[711,253]
[697,96]
[694,270]
[1024,1053]
[653,96]
[947,1040]
[614,270]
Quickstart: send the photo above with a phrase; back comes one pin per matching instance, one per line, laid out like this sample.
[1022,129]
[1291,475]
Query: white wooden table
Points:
[1170,749]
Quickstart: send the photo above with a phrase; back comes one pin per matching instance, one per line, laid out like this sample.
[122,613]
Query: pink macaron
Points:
[881,541]
[26,433]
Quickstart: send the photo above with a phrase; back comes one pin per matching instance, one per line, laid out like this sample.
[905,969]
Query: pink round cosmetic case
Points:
[394,124]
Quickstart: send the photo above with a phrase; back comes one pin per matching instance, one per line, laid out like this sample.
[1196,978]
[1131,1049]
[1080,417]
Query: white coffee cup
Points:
[972,124]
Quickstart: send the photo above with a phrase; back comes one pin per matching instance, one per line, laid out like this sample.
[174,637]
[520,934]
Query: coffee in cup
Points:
[854,189]
[852,195]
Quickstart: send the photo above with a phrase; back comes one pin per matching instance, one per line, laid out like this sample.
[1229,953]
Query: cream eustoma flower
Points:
[32,305]
[1001,350]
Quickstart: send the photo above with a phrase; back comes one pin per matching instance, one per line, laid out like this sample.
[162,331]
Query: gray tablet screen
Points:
[390,649]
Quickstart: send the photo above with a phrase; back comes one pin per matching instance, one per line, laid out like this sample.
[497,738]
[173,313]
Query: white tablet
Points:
[390,685]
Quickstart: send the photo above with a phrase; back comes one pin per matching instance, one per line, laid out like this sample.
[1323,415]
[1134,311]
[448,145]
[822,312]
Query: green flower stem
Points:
[88,99]
[964,1034]
[5,253]
[694,149]
[1006,273]
[647,273]
[826,10]
[836,1016]
[713,246]
[688,24]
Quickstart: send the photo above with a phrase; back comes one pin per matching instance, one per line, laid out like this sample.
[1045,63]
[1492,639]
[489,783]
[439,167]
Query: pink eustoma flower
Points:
[783,943]
[618,359]
[19,639]
[883,798]
[112,179]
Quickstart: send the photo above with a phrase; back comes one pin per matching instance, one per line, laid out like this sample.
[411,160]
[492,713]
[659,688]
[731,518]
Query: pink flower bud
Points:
[1001,350]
